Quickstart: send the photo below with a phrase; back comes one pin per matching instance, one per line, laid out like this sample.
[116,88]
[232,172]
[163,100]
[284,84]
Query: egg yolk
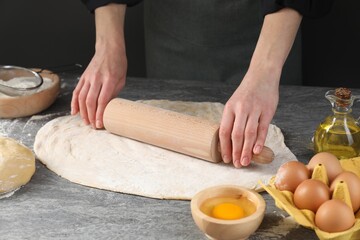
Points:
[228,211]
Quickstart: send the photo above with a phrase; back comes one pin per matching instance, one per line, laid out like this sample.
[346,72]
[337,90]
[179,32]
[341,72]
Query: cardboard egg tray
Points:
[306,218]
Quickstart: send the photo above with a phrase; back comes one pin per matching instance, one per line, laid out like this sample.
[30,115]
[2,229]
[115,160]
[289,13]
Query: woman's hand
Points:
[102,80]
[250,109]
[105,76]
[246,117]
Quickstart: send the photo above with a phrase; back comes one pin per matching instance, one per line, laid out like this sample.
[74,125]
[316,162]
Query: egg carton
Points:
[306,218]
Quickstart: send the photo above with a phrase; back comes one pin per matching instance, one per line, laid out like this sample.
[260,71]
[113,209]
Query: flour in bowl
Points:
[24,82]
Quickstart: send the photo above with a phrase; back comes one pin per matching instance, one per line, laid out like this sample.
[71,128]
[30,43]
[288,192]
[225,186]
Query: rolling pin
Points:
[167,129]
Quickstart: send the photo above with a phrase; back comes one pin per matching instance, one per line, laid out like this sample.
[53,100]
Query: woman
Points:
[212,40]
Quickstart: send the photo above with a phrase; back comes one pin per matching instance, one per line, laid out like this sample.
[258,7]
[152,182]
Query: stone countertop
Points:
[50,207]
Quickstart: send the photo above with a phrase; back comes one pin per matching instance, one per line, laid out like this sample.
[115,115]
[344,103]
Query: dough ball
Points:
[17,165]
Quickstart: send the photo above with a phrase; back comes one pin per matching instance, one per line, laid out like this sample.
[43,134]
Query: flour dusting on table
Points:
[280,230]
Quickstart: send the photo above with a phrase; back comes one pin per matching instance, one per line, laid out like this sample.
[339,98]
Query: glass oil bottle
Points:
[339,133]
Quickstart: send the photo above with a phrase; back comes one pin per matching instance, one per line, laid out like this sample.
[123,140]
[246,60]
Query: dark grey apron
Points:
[208,40]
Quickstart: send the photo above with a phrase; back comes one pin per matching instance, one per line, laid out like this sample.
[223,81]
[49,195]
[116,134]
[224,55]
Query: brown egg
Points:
[353,183]
[334,216]
[330,161]
[290,175]
[310,194]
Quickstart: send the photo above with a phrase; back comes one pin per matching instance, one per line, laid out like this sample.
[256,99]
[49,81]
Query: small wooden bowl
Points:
[227,229]
[27,105]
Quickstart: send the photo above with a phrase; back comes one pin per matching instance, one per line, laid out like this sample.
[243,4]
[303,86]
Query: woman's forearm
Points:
[109,22]
[276,39]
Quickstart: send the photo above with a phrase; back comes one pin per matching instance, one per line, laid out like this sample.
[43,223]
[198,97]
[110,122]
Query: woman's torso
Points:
[209,40]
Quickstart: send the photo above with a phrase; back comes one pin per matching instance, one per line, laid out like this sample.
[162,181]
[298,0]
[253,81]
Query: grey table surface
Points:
[50,207]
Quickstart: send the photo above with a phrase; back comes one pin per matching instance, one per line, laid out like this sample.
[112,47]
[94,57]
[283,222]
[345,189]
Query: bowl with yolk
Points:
[228,212]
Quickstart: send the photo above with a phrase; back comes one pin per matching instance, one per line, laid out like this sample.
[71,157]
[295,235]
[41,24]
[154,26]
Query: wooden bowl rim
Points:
[45,74]
[52,92]
[260,204]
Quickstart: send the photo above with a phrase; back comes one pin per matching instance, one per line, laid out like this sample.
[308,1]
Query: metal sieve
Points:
[30,78]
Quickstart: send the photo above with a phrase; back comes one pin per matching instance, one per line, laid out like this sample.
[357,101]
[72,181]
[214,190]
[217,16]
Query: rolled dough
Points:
[17,165]
[102,160]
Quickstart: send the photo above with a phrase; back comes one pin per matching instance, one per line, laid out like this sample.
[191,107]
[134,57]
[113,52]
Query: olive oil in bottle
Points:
[339,133]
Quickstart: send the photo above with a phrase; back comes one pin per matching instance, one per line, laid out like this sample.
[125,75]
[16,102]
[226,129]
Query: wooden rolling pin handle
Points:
[266,156]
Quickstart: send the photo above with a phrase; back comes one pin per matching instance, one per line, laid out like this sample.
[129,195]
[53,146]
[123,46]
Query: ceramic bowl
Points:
[220,229]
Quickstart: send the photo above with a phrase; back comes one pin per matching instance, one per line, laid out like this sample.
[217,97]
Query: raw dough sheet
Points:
[99,159]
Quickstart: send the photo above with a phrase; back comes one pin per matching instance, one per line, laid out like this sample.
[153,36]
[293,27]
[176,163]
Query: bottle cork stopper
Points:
[343,93]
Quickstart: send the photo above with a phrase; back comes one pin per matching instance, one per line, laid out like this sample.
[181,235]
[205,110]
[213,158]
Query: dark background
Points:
[40,33]
[43,33]
[331,47]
